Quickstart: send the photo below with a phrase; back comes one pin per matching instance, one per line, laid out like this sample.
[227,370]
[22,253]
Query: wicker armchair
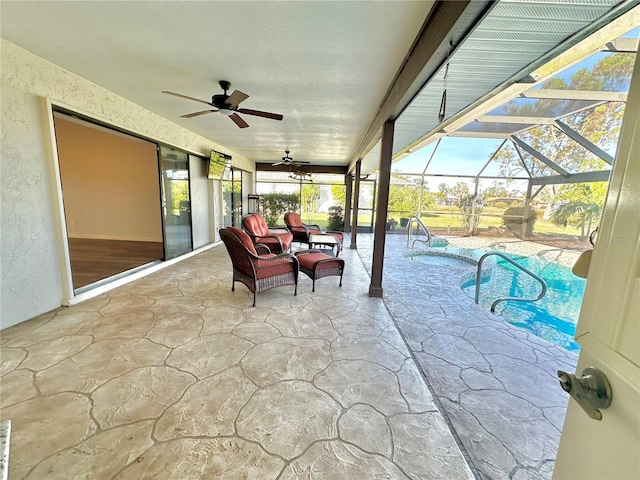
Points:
[255,266]
[256,227]
[301,231]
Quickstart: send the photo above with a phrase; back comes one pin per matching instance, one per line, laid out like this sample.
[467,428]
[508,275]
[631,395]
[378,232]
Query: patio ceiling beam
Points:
[267,167]
[549,163]
[516,119]
[622,45]
[537,192]
[497,136]
[493,155]
[585,177]
[455,175]
[557,94]
[448,23]
[524,164]
[433,154]
[581,109]
[592,147]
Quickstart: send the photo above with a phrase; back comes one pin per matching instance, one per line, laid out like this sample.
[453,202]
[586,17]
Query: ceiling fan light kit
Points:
[227,105]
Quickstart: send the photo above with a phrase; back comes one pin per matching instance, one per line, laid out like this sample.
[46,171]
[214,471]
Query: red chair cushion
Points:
[292,219]
[255,224]
[244,238]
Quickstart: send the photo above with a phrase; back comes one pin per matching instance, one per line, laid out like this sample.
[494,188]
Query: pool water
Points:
[437,259]
[553,317]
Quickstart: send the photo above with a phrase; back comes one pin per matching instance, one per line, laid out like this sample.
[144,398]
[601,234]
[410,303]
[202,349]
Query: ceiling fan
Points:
[227,105]
[287,160]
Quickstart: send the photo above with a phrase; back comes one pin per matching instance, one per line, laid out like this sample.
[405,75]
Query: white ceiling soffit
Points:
[514,39]
[324,65]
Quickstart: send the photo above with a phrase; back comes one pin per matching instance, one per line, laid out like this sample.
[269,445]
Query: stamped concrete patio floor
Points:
[495,383]
[175,376]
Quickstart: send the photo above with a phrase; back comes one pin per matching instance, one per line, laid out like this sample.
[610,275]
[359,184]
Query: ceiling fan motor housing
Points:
[220,100]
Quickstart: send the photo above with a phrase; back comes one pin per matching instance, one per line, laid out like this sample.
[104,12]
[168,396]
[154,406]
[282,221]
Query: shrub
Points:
[335,219]
[275,205]
[513,217]
[470,217]
[500,205]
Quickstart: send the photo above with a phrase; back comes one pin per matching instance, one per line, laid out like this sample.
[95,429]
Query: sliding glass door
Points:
[176,202]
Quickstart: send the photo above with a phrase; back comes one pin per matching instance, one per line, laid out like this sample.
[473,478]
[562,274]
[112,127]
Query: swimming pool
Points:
[553,317]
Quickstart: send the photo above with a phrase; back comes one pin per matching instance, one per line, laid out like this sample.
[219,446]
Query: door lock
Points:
[592,390]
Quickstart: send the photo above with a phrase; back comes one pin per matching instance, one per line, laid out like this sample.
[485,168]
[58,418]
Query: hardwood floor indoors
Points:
[93,260]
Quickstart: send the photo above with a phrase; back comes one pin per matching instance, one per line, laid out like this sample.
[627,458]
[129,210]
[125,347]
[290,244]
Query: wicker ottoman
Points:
[317,265]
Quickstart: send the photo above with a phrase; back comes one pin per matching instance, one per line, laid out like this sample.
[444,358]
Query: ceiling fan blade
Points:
[258,113]
[299,162]
[235,98]
[188,98]
[195,114]
[278,163]
[238,120]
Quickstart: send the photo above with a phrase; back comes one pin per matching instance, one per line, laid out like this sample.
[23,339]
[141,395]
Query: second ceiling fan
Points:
[287,160]
[227,105]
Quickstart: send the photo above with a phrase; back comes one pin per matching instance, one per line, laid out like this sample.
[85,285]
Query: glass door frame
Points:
[183,218]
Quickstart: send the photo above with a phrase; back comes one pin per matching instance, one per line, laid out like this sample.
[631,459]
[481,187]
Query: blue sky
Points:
[462,156]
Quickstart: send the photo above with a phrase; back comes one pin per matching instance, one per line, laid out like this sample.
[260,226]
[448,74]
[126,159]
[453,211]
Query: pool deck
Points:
[495,383]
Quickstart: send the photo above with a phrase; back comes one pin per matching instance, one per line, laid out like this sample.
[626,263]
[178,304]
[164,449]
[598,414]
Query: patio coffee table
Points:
[327,240]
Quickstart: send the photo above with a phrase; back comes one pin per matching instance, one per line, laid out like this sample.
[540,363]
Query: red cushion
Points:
[272,268]
[255,224]
[308,260]
[244,238]
[293,219]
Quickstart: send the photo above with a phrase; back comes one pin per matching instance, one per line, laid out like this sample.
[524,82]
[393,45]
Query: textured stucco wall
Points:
[30,282]
[30,277]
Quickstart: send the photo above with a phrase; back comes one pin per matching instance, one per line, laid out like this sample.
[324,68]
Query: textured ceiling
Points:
[325,66]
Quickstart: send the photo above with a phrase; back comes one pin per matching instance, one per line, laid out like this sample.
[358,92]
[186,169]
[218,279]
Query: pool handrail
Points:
[422,226]
[543,284]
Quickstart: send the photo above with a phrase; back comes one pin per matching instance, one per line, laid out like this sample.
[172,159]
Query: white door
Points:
[609,325]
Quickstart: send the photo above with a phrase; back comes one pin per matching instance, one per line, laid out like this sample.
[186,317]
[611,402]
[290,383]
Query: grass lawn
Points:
[450,217]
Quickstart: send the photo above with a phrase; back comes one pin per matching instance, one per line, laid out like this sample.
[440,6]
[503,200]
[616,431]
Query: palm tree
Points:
[579,204]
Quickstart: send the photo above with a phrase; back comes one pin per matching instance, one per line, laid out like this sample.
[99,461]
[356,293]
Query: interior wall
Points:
[31,242]
[110,183]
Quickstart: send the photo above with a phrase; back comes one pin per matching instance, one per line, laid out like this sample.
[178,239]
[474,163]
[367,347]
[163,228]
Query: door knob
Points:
[592,390]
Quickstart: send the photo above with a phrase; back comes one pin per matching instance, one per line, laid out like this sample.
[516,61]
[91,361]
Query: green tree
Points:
[579,204]
[460,192]
[497,189]
[277,204]
[310,196]
[404,196]
[443,192]
[338,192]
